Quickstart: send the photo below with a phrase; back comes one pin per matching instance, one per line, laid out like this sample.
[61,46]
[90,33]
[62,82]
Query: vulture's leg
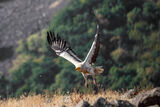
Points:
[94,80]
[86,81]
[93,76]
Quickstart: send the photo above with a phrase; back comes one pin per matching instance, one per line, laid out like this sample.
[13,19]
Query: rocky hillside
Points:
[21,18]
[150,98]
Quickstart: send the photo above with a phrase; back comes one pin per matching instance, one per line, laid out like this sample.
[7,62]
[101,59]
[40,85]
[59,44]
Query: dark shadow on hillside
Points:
[5,1]
[6,53]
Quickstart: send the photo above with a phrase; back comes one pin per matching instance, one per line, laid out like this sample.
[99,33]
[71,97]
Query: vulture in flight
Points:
[62,49]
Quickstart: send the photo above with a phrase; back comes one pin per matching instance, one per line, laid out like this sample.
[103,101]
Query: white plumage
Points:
[85,67]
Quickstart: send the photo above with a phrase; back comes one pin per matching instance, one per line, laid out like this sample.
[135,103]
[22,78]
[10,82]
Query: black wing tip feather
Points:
[60,45]
[56,40]
[49,39]
[51,35]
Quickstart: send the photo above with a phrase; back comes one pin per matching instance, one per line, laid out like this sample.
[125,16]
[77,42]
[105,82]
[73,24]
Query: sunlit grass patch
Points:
[57,99]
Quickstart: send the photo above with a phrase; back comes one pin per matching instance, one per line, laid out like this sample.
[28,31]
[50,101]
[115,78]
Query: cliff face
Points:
[21,18]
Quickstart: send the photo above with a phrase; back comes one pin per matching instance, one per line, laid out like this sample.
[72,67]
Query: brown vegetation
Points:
[57,100]
[130,98]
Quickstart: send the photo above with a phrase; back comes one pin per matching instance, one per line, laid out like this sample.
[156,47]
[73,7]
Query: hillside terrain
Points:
[21,18]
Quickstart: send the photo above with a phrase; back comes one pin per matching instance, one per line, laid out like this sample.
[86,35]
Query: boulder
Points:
[148,98]
[101,102]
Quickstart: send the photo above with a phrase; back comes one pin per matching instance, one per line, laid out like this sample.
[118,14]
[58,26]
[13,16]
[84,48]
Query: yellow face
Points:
[78,68]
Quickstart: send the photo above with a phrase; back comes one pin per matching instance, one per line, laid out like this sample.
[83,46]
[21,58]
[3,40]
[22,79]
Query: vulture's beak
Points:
[78,68]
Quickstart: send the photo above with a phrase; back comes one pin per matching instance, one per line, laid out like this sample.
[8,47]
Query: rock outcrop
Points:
[145,99]
[148,98]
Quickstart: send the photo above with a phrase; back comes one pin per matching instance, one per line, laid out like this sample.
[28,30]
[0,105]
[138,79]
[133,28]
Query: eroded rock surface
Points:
[148,98]
[21,18]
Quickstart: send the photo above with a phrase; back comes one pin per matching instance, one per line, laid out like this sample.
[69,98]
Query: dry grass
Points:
[57,100]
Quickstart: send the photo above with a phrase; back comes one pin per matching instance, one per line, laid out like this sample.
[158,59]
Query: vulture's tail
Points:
[98,70]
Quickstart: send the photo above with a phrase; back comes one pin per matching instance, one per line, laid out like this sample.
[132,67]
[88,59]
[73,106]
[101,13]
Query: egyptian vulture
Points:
[85,67]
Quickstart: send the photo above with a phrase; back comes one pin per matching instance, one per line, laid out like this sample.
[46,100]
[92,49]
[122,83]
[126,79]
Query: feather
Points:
[93,52]
[60,47]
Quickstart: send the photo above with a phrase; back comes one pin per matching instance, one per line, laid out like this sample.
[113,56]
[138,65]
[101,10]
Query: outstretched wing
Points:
[93,52]
[60,47]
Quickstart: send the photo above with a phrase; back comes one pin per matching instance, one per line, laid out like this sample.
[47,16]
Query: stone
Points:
[130,93]
[101,102]
[123,103]
[83,103]
[148,98]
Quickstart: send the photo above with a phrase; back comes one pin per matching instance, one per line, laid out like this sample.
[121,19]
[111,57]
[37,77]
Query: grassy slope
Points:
[57,100]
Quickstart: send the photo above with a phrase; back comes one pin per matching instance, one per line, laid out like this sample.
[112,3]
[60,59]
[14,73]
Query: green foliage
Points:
[134,15]
[118,54]
[66,80]
[35,44]
[34,69]
[126,57]
[3,86]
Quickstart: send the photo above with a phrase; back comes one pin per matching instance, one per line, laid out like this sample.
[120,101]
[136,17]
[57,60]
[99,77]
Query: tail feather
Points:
[98,70]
